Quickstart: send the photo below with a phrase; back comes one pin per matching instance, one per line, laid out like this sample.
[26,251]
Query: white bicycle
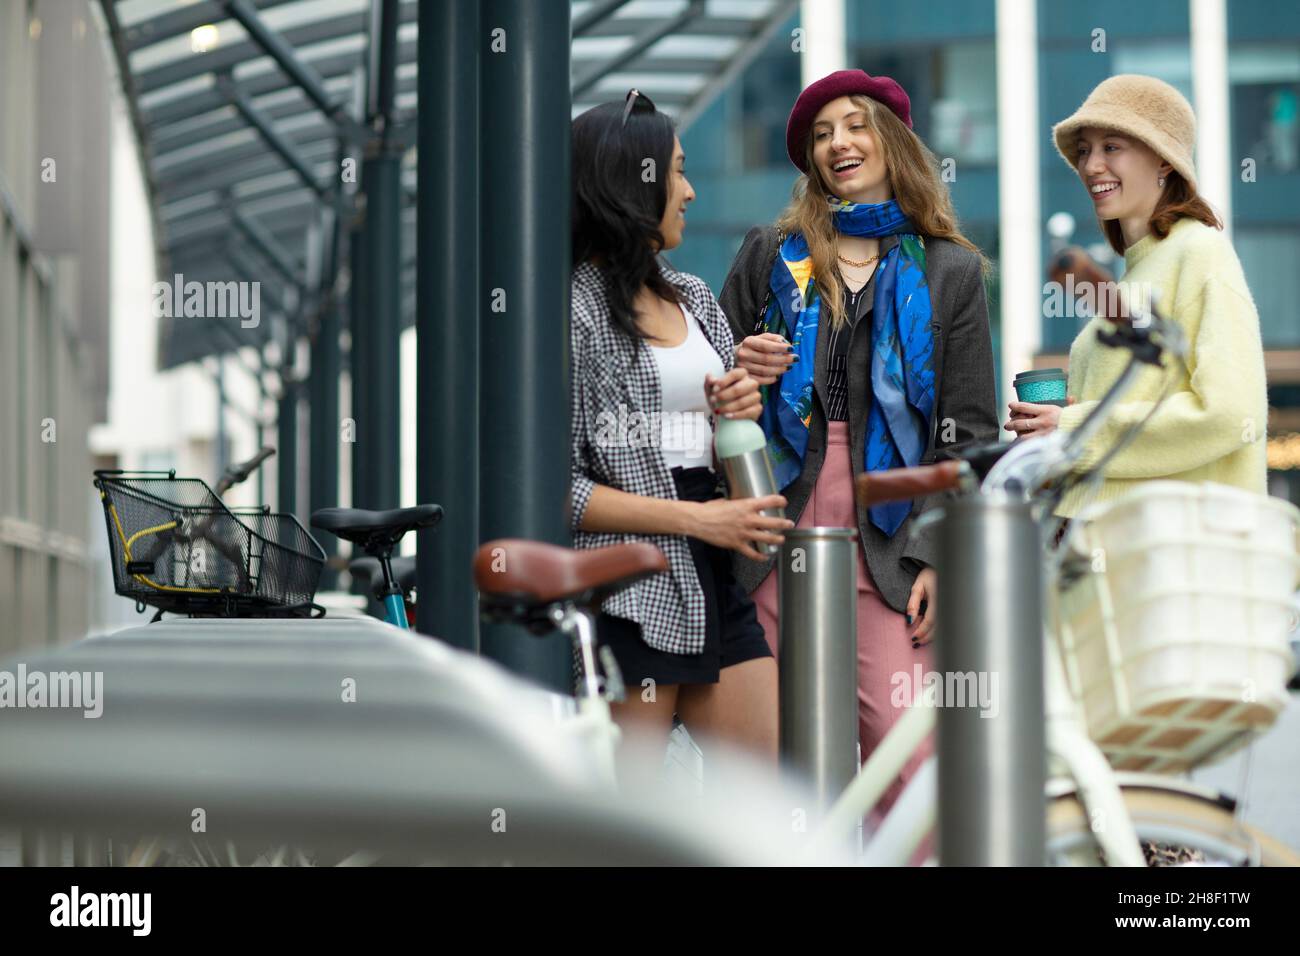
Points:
[1082,790]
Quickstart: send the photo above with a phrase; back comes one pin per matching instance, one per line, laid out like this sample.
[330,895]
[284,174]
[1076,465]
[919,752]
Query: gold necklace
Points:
[857,265]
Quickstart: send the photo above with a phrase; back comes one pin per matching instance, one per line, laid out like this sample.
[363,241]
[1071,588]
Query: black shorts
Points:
[732,632]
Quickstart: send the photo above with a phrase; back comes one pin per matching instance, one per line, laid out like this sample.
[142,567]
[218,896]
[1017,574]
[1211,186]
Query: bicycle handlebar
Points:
[904,484]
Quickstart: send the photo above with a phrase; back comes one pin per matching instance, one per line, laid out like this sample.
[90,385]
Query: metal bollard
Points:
[992,764]
[818,637]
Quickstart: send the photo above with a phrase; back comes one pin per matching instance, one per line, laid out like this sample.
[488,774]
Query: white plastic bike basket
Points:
[1175,643]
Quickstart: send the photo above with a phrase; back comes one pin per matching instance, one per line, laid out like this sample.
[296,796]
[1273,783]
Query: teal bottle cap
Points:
[737,436]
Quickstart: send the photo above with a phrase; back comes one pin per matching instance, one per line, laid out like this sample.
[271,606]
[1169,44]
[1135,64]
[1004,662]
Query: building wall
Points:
[53,287]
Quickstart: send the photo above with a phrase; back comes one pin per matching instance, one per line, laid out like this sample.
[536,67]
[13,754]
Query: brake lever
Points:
[1138,342]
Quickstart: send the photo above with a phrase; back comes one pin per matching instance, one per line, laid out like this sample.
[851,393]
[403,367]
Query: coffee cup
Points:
[1042,386]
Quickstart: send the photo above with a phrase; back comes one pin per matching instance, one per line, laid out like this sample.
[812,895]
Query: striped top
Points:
[837,351]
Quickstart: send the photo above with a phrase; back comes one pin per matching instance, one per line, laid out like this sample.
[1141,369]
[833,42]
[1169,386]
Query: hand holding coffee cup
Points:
[1042,395]
[1042,386]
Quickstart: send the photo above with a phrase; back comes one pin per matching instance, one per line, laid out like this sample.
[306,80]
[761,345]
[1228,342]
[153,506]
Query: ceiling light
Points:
[204,38]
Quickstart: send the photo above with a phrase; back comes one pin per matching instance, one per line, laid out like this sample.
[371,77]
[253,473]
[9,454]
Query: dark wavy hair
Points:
[616,211]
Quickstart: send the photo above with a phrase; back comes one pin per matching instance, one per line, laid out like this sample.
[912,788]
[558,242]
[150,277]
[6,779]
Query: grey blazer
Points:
[965,410]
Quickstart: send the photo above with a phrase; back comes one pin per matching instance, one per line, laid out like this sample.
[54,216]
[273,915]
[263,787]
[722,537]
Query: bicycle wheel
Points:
[1176,819]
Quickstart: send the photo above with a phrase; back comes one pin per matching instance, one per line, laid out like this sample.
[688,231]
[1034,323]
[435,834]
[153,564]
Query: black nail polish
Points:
[909,619]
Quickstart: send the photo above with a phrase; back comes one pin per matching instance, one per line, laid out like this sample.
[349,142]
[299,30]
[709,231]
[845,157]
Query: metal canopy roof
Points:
[242,148]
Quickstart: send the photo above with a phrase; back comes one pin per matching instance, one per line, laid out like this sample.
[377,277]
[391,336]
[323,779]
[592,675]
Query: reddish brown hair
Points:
[1179,201]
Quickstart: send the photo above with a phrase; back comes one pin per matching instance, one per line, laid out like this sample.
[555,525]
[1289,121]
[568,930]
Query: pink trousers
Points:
[884,646]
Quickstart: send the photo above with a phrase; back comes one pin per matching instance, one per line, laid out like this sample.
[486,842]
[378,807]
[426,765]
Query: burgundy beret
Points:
[840,83]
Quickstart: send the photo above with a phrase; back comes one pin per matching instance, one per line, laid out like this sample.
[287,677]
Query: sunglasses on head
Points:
[632,96]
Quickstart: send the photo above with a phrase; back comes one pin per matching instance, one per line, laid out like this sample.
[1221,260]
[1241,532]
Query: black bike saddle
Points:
[375,531]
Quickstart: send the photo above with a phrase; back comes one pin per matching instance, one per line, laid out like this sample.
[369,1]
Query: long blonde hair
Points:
[914,179]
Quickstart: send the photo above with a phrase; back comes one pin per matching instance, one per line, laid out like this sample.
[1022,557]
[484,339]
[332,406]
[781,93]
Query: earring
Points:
[1161,182]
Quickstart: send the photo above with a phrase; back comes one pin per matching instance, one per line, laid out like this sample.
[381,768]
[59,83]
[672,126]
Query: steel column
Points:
[378,444]
[324,423]
[447,294]
[326,368]
[524,299]
[286,455]
[220,459]
[359,339]
[381,82]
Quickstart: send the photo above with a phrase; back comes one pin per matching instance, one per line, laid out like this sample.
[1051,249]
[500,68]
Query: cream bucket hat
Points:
[1140,106]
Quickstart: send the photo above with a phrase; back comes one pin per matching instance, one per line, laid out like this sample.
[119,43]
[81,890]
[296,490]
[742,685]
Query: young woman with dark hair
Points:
[1131,145]
[862,311]
[652,355]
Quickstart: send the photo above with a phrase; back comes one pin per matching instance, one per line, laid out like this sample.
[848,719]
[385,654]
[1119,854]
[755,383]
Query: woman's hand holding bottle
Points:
[736,523]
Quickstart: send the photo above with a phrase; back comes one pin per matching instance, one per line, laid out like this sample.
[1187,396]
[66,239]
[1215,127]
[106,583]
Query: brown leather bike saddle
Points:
[521,580]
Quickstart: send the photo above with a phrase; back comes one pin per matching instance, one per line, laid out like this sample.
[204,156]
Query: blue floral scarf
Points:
[902,351]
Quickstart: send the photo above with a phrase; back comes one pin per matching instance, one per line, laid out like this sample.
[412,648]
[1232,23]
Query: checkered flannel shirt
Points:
[610,371]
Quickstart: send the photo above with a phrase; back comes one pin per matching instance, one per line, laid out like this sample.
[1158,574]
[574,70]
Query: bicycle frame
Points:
[594,721]
[914,814]
[395,611]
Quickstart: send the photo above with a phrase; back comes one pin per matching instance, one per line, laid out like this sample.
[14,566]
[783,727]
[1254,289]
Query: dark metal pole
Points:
[286,455]
[446,314]
[381,179]
[524,309]
[259,439]
[382,83]
[361,332]
[379,436]
[221,459]
[326,366]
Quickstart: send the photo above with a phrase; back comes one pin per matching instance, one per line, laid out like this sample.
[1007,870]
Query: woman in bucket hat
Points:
[862,313]
[1131,145]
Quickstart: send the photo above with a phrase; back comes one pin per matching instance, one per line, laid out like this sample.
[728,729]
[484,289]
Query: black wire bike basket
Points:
[176,547]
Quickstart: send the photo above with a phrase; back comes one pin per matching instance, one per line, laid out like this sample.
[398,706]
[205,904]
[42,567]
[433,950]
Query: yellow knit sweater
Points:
[1213,425]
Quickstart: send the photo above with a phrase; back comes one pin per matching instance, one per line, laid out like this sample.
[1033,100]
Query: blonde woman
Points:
[862,313]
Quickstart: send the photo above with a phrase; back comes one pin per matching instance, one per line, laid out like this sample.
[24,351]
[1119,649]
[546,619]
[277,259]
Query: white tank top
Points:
[686,436]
